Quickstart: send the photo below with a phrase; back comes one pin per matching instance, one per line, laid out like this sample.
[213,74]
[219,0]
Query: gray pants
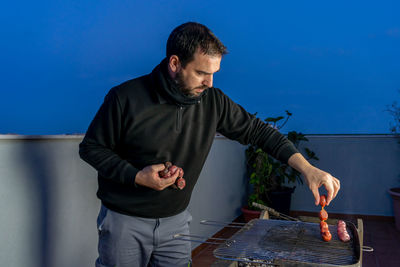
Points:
[128,241]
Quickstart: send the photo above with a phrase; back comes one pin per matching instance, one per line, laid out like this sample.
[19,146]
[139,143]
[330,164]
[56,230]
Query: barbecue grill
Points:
[289,242]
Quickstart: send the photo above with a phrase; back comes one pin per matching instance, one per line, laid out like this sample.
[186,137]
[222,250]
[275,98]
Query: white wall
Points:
[367,166]
[49,207]
[47,198]
[221,189]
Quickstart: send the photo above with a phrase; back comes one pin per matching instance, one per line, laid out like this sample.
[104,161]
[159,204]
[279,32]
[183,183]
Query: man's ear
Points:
[174,63]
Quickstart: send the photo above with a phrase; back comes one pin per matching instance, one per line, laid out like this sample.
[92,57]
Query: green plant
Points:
[394,110]
[267,174]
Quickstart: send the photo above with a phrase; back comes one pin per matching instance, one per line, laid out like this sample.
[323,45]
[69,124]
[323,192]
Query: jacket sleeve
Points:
[237,124]
[100,144]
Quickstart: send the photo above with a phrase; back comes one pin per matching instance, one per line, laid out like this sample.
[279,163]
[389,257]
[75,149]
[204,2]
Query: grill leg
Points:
[360,230]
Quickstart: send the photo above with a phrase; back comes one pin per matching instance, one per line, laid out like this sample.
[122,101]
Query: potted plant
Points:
[269,178]
[394,110]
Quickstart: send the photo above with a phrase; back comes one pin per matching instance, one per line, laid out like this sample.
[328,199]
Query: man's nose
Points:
[208,81]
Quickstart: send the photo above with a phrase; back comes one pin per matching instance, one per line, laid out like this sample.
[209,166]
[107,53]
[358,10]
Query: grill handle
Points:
[367,249]
[360,230]
[225,224]
[274,212]
[202,239]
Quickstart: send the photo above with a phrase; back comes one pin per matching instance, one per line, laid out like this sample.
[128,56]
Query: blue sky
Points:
[334,65]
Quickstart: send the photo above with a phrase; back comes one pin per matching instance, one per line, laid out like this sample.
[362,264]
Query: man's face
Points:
[197,76]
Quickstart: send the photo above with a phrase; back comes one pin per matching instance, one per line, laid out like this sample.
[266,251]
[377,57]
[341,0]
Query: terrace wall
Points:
[49,206]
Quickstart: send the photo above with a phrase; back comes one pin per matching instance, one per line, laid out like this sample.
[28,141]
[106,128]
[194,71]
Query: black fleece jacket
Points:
[142,123]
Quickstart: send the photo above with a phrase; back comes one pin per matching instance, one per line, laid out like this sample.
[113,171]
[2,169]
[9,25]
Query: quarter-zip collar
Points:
[167,90]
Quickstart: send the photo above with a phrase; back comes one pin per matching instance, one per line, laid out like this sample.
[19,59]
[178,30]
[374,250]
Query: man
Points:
[171,114]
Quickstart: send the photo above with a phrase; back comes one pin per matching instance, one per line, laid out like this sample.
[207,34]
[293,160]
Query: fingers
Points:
[165,182]
[149,176]
[158,167]
[317,178]
[329,190]
[168,176]
[332,187]
[314,190]
[336,186]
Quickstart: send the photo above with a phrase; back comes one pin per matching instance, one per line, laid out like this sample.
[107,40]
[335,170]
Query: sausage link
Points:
[170,170]
[323,215]
[322,200]
[326,236]
[342,231]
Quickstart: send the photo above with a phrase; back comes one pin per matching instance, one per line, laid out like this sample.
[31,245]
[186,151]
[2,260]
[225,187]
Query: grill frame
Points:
[285,260]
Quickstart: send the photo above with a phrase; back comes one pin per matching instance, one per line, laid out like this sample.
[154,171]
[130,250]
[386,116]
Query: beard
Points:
[182,86]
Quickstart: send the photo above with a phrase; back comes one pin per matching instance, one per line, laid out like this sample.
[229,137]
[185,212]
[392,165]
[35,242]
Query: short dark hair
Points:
[185,39]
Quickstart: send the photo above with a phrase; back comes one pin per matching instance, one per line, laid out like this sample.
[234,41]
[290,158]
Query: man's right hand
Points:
[149,177]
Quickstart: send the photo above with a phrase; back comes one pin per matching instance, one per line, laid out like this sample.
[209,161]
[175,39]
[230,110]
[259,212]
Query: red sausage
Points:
[322,200]
[323,226]
[323,215]
[181,172]
[326,236]
[164,173]
[171,170]
[180,183]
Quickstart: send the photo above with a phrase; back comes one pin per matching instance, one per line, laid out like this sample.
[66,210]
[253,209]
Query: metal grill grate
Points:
[271,240]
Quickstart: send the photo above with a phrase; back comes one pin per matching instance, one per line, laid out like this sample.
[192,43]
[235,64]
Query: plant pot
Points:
[280,200]
[395,193]
[250,214]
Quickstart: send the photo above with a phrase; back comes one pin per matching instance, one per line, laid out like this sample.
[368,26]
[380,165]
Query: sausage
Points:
[342,231]
[323,215]
[171,170]
[165,172]
[323,226]
[180,183]
[181,172]
[168,164]
[326,236]
[322,200]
